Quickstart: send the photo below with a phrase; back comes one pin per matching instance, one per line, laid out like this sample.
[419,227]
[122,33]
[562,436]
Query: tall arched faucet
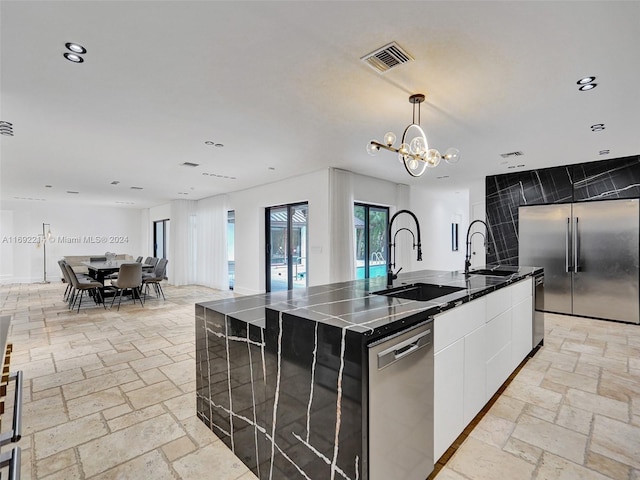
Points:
[391,261]
[467,257]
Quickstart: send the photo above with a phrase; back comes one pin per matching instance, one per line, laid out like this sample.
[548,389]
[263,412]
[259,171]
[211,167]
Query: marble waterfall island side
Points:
[282,377]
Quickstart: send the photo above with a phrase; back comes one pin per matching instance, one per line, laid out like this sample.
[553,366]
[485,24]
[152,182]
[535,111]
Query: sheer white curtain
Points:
[342,258]
[212,267]
[405,255]
[181,242]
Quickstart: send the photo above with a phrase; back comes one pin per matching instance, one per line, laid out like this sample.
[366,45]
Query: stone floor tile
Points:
[153,375]
[183,406]
[68,435]
[573,380]
[153,394]
[607,466]
[95,402]
[136,416]
[598,404]
[180,372]
[534,395]
[178,448]
[485,462]
[493,430]
[70,473]
[616,440]
[575,419]
[523,450]
[123,445]
[42,414]
[553,467]
[95,384]
[552,438]
[150,361]
[121,357]
[57,379]
[150,466]
[212,458]
[56,463]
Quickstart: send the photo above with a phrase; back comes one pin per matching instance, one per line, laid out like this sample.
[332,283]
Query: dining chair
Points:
[86,284]
[147,261]
[153,261]
[129,276]
[139,259]
[155,278]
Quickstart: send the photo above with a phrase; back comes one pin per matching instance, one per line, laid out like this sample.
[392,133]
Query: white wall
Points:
[77,230]
[249,208]
[436,211]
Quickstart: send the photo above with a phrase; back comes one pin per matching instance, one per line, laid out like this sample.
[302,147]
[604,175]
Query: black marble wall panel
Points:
[286,399]
[606,179]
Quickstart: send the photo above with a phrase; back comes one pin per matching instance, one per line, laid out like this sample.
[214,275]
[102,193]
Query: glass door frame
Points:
[164,238]
[290,208]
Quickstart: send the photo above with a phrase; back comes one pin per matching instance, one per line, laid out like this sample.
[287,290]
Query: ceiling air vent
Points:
[189,164]
[136,188]
[511,154]
[387,57]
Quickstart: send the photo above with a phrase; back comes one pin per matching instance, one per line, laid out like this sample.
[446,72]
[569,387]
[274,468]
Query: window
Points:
[231,262]
[287,246]
[160,238]
[371,224]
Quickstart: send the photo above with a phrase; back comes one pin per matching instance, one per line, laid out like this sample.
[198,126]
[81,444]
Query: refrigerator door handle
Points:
[576,248]
[567,249]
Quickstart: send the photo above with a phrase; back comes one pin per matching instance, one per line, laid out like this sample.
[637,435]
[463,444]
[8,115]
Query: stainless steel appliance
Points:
[590,254]
[401,405]
[538,310]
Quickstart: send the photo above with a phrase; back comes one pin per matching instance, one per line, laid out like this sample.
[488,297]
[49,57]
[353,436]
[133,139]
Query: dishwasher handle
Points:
[403,349]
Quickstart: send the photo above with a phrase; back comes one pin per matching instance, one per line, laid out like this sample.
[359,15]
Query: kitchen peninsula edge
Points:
[282,378]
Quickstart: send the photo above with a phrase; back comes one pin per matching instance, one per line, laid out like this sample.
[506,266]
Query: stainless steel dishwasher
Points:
[401,405]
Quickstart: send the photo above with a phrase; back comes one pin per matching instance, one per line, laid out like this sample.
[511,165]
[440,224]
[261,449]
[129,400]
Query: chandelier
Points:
[414,151]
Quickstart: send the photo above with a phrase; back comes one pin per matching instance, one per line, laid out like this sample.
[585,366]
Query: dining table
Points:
[100,270]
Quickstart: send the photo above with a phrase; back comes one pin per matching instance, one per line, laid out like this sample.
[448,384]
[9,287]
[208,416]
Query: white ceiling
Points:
[281,85]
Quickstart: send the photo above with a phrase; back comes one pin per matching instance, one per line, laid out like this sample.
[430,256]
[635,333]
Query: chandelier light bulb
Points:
[413,164]
[372,149]
[433,158]
[389,138]
[452,155]
[417,146]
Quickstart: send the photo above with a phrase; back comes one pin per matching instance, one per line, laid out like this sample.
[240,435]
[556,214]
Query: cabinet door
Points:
[448,392]
[475,373]
[498,350]
[522,333]
[454,324]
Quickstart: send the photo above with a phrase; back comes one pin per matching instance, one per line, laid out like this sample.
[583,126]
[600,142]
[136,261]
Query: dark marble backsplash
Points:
[602,180]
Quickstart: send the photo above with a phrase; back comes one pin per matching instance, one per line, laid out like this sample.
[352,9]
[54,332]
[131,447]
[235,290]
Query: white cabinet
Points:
[477,345]
[474,373]
[448,391]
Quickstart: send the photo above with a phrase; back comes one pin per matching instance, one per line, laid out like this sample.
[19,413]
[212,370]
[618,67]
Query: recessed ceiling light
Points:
[190,164]
[72,192]
[115,182]
[219,145]
[588,86]
[585,80]
[48,186]
[598,127]
[72,57]
[442,177]
[75,48]
[136,188]
[272,168]
[604,152]
[209,142]
[521,165]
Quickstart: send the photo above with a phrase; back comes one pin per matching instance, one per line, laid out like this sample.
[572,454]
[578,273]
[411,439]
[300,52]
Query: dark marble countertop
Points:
[352,305]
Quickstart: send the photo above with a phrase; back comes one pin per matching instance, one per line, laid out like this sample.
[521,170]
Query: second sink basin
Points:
[419,291]
[490,272]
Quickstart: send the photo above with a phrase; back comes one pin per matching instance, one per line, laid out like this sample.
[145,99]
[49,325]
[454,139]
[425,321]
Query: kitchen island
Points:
[283,378]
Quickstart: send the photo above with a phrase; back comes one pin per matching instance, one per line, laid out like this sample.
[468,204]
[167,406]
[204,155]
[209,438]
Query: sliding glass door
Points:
[160,238]
[371,223]
[287,246]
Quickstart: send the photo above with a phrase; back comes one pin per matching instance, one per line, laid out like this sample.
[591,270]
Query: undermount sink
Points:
[493,273]
[419,291]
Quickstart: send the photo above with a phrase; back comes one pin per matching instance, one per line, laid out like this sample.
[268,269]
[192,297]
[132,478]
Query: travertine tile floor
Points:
[110,395]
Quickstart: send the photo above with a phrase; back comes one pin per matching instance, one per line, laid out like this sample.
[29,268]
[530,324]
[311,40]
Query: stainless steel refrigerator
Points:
[590,253]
